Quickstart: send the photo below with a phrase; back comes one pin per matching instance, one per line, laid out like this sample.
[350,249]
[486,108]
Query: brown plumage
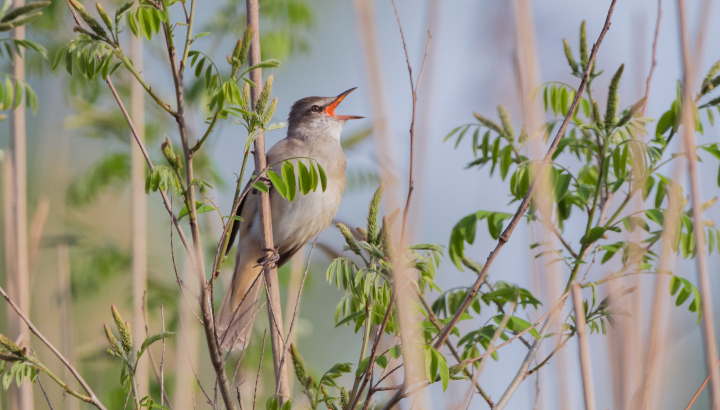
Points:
[314,132]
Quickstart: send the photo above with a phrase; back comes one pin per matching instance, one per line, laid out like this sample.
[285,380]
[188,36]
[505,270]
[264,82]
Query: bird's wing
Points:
[236,225]
[283,149]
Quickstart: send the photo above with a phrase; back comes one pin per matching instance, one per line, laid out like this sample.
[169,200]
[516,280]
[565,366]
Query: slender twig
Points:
[162,360]
[654,57]
[237,309]
[180,283]
[526,201]
[552,313]
[500,329]
[158,372]
[47,400]
[237,390]
[297,303]
[187,353]
[413,89]
[438,325]
[141,145]
[711,353]
[414,85]
[584,348]
[188,37]
[93,398]
[237,367]
[257,378]
[701,388]
[557,234]
[491,350]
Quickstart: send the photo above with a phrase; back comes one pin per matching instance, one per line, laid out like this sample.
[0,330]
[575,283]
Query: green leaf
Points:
[451,133]
[362,367]
[288,173]
[381,361]
[505,161]
[594,234]
[395,352]
[261,186]
[561,186]
[199,206]
[313,176]
[323,177]
[664,123]
[350,317]
[152,339]
[18,95]
[305,183]
[199,67]
[632,222]
[265,64]
[656,215]
[278,183]
[431,364]
[443,369]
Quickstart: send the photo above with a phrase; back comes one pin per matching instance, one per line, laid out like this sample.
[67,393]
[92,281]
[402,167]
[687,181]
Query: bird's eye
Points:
[315,108]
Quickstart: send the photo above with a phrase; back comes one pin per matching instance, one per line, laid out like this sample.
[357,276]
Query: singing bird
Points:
[313,132]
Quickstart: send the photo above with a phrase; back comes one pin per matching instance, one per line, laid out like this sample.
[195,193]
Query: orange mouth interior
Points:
[330,110]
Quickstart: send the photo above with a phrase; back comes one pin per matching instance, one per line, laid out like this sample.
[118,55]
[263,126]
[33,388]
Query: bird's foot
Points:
[274,256]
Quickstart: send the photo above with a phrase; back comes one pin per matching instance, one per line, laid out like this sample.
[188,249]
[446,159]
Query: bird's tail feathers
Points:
[237,311]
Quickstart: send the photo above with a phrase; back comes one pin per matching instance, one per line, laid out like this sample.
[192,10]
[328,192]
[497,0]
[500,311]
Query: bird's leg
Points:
[274,256]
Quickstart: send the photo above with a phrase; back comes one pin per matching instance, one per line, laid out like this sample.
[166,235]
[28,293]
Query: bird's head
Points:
[315,116]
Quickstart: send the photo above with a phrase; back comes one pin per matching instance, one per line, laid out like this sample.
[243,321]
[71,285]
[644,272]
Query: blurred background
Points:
[79,174]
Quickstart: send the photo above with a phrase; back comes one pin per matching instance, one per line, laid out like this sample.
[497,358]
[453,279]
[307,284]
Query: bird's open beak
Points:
[330,109]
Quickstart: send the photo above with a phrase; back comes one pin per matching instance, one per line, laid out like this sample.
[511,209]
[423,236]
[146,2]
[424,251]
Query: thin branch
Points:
[500,329]
[413,88]
[47,400]
[158,373]
[700,389]
[654,57]
[297,303]
[584,348]
[162,362]
[141,145]
[526,201]
[94,400]
[711,353]
[558,304]
[187,353]
[257,378]
[438,325]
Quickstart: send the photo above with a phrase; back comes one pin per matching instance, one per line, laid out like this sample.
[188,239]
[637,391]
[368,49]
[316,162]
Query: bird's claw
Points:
[269,260]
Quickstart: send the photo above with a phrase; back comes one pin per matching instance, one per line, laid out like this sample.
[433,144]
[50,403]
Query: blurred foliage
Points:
[285,25]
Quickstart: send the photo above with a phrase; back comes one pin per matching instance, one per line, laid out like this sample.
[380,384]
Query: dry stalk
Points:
[365,14]
[269,273]
[710,343]
[584,348]
[411,348]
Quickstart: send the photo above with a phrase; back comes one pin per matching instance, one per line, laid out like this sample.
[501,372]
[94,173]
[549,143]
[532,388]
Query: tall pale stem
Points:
[19,209]
[139,211]
[270,273]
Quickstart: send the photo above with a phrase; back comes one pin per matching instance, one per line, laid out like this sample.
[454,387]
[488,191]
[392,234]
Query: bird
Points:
[313,132]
